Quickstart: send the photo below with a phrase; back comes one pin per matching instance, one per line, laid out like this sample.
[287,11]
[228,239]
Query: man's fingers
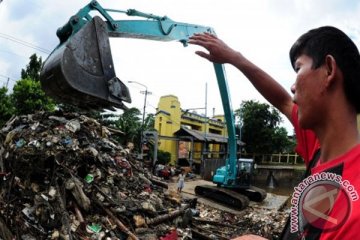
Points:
[204,35]
[197,41]
[201,38]
[203,54]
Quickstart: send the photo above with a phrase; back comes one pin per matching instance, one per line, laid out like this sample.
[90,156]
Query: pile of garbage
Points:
[64,176]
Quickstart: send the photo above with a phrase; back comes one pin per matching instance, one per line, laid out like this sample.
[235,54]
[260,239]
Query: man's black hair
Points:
[327,40]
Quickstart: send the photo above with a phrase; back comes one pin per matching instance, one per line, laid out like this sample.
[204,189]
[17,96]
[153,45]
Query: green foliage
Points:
[33,69]
[6,106]
[149,123]
[28,97]
[129,123]
[260,128]
[163,157]
[281,141]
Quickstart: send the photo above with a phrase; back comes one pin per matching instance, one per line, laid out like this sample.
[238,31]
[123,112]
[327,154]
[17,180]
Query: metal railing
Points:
[276,158]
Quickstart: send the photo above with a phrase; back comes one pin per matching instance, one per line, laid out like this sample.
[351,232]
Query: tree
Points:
[129,123]
[6,106]
[33,69]
[282,142]
[149,123]
[163,157]
[260,128]
[28,97]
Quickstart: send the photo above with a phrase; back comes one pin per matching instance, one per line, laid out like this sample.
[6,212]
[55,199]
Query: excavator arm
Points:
[80,70]
[152,27]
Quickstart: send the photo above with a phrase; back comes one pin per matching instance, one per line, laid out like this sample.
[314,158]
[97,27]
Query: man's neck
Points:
[337,136]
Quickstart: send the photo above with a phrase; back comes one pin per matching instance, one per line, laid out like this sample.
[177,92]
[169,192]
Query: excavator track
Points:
[222,195]
[253,193]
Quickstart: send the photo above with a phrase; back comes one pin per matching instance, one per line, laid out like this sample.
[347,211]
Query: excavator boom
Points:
[80,70]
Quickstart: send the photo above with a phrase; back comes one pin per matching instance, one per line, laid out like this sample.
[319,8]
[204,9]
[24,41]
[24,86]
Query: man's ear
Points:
[330,69]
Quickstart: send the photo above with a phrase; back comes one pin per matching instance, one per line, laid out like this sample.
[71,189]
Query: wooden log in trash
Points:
[214,223]
[5,233]
[159,183]
[143,230]
[122,227]
[199,232]
[78,213]
[168,216]
[198,235]
[115,131]
[145,179]
[65,218]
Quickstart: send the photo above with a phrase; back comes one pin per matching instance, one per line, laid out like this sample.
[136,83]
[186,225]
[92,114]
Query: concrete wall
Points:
[209,166]
[284,177]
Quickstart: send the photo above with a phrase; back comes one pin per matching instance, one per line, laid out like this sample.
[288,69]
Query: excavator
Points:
[80,71]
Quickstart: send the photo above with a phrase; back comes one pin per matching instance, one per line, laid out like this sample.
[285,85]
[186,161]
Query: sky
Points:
[262,30]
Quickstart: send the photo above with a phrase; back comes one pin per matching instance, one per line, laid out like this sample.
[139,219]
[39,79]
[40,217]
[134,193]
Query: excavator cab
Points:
[80,71]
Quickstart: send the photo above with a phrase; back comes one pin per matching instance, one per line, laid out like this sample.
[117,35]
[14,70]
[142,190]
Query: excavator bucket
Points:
[81,72]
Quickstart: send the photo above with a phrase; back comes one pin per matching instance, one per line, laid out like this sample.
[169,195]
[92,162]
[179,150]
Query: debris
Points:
[118,222]
[64,176]
[162,218]
[76,188]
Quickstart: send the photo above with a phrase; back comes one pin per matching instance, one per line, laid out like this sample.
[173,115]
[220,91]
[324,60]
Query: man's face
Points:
[307,91]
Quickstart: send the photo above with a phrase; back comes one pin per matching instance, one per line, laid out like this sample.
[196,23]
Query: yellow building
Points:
[188,135]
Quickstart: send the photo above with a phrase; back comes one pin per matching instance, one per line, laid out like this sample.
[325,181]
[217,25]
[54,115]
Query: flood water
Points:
[278,190]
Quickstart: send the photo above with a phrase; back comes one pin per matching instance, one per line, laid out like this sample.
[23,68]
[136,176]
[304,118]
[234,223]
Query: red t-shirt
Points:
[307,142]
[326,204]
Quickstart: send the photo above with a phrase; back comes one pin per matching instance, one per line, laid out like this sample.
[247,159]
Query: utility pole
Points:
[146,92]
[204,147]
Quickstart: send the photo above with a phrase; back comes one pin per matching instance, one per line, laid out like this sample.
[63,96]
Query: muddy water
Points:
[282,190]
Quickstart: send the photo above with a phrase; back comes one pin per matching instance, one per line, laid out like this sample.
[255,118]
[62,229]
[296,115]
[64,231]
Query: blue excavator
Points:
[80,71]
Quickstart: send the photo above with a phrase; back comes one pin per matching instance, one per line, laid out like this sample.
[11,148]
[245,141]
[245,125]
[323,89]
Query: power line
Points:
[27,44]
[4,76]
[7,82]
[7,79]
[10,52]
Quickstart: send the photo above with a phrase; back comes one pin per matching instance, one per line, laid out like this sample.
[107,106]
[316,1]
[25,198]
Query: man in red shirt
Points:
[323,111]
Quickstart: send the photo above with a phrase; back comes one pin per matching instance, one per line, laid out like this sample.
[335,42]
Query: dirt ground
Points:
[265,219]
